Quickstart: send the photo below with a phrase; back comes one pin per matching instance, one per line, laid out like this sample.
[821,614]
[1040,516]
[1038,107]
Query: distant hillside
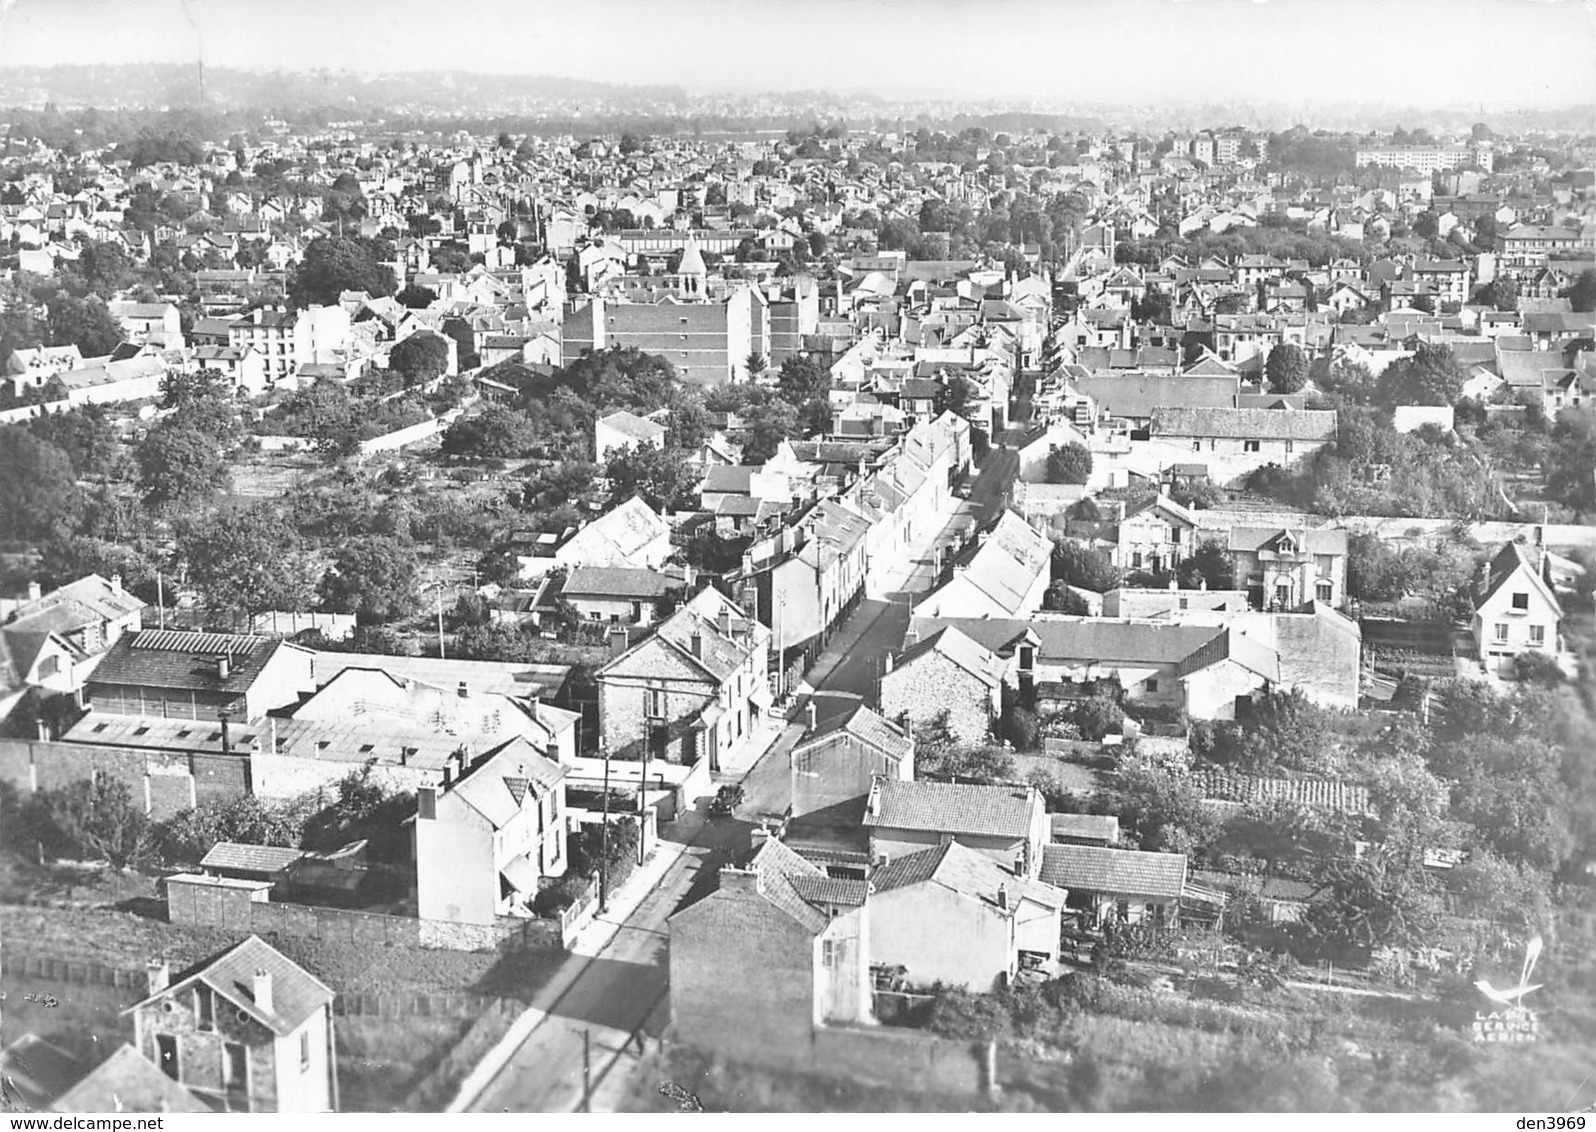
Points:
[135,85]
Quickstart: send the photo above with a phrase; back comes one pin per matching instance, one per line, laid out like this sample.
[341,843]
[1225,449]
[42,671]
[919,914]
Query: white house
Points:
[1515,610]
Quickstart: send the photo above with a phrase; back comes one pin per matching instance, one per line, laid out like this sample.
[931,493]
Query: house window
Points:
[656,703]
[1521,602]
[49,666]
[595,616]
[166,1054]
[304,1049]
[235,1066]
[1537,635]
[1288,448]
[1501,631]
[828,953]
[1283,595]
[205,1007]
[1325,592]
[1249,445]
[1196,446]
[1152,683]
[1136,560]
[1185,603]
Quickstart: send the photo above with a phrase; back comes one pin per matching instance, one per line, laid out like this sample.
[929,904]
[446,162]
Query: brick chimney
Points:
[696,643]
[263,991]
[160,975]
[741,880]
[809,718]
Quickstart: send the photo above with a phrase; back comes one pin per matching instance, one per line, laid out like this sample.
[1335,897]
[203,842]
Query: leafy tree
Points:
[85,435]
[84,323]
[416,297]
[1432,376]
[246,560]
[179,464]
[334,264]
[419,358]
[1287,368]
[103,267]
[38,491]
[1069,463]
[664,480]
[1501,293]
[1281,729]
[375,578]
[765,426]
[190,834]
[802,379]
[1372,902]
[1211,565]
[756,364]
[1077,564]
[180,389]
[95,818]
[1582,295]
[1165,809]
[498,432]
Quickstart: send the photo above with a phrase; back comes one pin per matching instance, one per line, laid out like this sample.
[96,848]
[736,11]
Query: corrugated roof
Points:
[1088,868]
[1320,793]
[952,807]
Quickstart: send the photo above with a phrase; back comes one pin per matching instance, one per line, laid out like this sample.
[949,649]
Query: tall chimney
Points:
[723,621]
[809,717]
[116,583]
[1003,897]
[160,974]
[34,592]
[696,641]
[462,691]
[886,664]
[263,991]
[224,667]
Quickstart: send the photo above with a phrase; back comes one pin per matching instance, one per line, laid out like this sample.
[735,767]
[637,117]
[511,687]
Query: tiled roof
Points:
[1514,559]
[1095,826]
[128,1082]
[632,425]
[616,581]
[296,994]
[169,659]
[1007,562]
[865,725]
[1320,793]
[830,890]
[968,654]
[1087,868]
[1313,540]
[1244,424]
[1141,395]
[1095,640]
[952,807]
[240,857]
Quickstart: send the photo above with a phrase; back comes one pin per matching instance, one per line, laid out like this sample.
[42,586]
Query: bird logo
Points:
[1513,997]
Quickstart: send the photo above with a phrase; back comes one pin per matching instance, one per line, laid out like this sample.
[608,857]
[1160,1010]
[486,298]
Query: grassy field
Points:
[381,1060]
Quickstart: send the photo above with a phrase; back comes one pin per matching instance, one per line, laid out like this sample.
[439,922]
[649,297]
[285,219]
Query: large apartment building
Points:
[1427,158]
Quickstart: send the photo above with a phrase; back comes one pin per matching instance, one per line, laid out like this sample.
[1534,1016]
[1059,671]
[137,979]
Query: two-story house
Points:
[486,837]
[1154,536]
[74,624]
[692,690]
[777,951]
[835,763]
[1282,569]
[1233,443]
[248,1030]
[1004,573]
[1515,610]
[944,672]
[629,535]
[1119,884]
[953,915]
[1005,823]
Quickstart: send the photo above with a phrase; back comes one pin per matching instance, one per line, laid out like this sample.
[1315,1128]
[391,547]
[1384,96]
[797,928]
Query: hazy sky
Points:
[1504,53]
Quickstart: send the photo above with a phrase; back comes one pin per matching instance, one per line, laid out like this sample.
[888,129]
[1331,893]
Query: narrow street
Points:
[614,987]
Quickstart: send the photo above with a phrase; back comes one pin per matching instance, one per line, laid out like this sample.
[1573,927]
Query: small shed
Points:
[250,862]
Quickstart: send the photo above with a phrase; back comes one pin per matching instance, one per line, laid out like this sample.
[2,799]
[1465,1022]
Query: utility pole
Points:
[587,1070]
[604,838]
[642,801]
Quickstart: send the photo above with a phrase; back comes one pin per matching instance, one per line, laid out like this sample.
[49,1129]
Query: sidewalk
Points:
[590,942]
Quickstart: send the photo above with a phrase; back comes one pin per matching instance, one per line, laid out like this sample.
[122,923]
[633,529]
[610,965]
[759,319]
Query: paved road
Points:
[621,990]
[617,992]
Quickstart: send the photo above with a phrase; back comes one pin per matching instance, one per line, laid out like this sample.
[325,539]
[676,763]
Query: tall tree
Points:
[1070,463]
[38,491]
[180,464]
[334,264]
[1287,368]
[419,358]
[246,561]
[376,578]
